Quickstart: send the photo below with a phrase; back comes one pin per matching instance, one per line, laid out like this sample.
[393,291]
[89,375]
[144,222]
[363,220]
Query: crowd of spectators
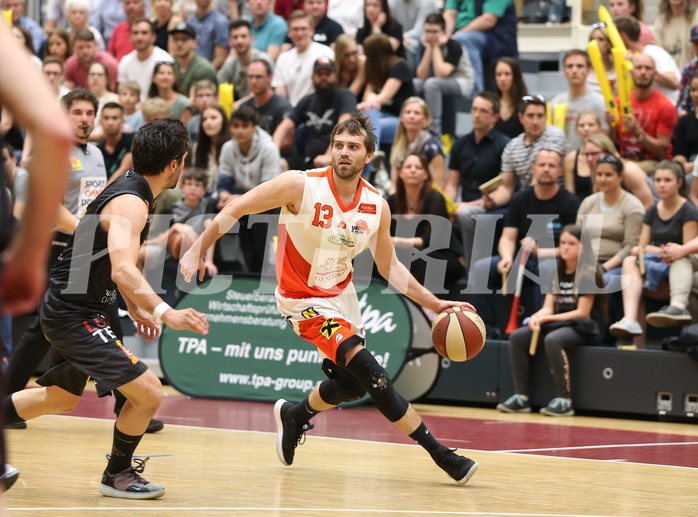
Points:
[296,73]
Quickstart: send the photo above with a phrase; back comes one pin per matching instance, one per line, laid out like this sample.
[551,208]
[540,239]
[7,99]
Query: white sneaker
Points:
[626,328]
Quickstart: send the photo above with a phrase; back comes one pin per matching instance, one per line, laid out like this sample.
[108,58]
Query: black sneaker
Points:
[458,467]
[17,425]
[154,426]
[515,404]
[559,406]
[9,477]
[669,316]
[288,434]
[128,484]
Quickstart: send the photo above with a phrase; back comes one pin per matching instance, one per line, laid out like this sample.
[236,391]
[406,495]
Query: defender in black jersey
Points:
[100,258]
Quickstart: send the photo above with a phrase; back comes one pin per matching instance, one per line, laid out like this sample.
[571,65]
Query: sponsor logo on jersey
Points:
[342,225]
[333,268]
[329,328]
[360,227]
[340,240]
[310,312]
[367,208]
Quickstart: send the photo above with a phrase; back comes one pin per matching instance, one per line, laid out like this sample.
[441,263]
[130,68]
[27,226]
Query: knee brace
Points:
[341,386]
[376,382]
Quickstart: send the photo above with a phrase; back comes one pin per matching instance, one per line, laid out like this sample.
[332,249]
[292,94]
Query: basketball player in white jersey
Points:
[328,217]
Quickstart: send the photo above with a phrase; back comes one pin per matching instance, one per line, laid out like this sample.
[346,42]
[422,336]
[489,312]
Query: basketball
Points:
[458,334]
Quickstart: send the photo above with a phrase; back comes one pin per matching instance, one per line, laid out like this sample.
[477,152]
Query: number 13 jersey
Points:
[317,245]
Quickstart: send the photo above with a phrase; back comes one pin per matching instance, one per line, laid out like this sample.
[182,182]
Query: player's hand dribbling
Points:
[186,319]
[447,304]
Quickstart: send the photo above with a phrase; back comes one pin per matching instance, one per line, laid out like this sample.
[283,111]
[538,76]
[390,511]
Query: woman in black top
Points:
[377,20]
[388,86]
[414,197]
[510,89]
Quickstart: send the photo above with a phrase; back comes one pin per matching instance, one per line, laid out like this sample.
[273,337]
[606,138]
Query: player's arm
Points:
[124,218]
[397,274]
[35,107]
[284,190]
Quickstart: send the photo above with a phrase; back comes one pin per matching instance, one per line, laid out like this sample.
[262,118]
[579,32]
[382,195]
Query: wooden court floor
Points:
[218,458]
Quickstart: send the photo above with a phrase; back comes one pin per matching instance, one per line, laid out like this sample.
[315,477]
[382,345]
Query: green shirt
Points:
[199,68]
[466,13]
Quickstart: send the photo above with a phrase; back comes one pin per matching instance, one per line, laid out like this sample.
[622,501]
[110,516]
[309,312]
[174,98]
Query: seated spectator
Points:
[270,107]
[121,42]
[578,179]
[38,37]
[410,14]
[153,109]
[163,86]
[570,317]
[53,70]
[116,145]
[634,9]
[129,98]
[667,74]
[377,20]
[105,15]
[325,29]
[214,131]
[190,218]
[685,103]
[284,8]
[247,160]
[685,138]
[613,218]
[164,19]
[189,66]
[579,97]
[59,45]
[234,70]
[645,135]
[538,234]
[205,94]
[672,29]
[635,180]
[294,67]
[521,152]
[599,34]
[268,29]
[24,38]
[412,136]
[510,88]
[388,85]
[351,66]
[487,31]
[55,16]
[475,159]
[211,28]
[139,64]
[672,220]
[77,16]
[86,53]
[443,69]
[97,81]
[319,112]
[414,197]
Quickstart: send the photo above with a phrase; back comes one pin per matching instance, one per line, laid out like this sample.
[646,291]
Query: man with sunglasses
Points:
[520,153]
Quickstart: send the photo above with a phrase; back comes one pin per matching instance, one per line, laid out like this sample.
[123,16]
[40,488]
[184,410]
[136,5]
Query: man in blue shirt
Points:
[211,28]
[19,20]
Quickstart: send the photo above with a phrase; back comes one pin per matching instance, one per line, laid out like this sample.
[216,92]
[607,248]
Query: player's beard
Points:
[348,171]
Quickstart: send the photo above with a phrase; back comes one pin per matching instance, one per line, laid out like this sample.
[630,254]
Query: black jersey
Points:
[82,273]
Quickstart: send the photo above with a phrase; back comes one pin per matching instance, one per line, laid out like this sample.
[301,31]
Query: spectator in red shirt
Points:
[86,53]
[120,42]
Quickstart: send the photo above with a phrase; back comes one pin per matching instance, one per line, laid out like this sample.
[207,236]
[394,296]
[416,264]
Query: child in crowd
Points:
[569,318]
[129,97]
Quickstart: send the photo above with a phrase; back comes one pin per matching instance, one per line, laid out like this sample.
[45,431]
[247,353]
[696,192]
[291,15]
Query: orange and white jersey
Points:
[317,245]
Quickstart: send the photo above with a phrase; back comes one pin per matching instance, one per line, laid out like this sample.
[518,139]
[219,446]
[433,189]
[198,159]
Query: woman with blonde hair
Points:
[672,29]
[350,64]
[634,178]
[576,170]
[600,34]
[412,136]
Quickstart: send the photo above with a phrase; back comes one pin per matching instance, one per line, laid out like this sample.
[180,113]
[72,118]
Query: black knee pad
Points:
[341,386]
[375,380]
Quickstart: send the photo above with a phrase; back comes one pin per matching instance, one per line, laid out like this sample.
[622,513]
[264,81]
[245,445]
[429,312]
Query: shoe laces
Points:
[302,429]
[518,400]
[559,402]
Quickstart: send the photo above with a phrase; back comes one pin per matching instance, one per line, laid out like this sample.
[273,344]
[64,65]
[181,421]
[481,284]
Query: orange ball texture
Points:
[458,334]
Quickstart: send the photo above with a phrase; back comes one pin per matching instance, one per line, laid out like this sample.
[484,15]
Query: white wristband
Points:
[160,310]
